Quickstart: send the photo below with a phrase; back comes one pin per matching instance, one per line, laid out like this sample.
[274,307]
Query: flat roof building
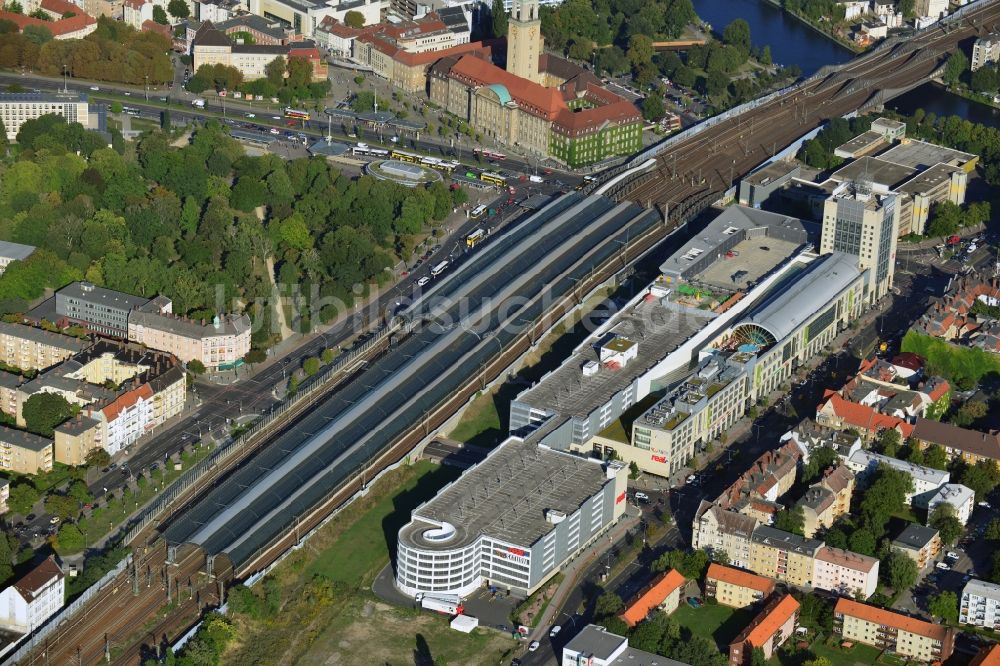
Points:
[103,311]
[511,521]
[755,188]
[13,252]
[920,543]
[925,479]
[16,108]
[980,604]
[596,646]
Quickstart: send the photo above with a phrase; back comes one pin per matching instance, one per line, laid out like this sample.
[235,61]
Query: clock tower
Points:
[524,40]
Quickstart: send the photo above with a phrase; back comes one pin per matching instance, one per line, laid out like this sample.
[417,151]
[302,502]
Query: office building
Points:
[211,46]
[303,16]
[596,646]
[33,598]
[783,556]
[774,625]
[985,51]
[921,544]
[16,108]
[13,252]
[980,604]
[864,224]
[511,521]
[893,632]
[735,588]
[24,452]
[102,311]
[28,348]
[846,573]
[663,594]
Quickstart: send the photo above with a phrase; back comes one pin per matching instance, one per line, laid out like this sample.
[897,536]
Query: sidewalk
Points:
[579,565]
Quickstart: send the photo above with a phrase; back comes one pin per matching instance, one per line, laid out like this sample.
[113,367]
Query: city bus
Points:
[297,114]
[440,268]
[368,151]
[475,238]
[489,154]
[493,178]
[404,156]
[478,211]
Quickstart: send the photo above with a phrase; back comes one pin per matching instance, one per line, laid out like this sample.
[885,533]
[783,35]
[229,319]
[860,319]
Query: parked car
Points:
[943,566]
[533,646]
[951,555]
[642,497]
[985,505]
[554,631]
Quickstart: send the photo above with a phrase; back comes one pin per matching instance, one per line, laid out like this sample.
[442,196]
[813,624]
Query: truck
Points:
[536,179]
[447,607]
[198,103]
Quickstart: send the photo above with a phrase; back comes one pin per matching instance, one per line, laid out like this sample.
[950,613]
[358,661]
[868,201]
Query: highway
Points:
[713,160]
[461,323]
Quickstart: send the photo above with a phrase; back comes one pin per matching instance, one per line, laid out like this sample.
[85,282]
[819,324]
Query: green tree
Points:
[63,506]
[820,459]
[943,519]
[737,34]
[862,541]
[8,552]
[178,9]
[889,441]
[274,71]
[327,356]
[633,470]
[311,366]
[945,606]
[698,651]
[499,15]
[935,457]
[196,367]
[899,571]
[982,478]
[955,66]
[69,539]
[44,411]
[652,107]
[354,19]
[969,413]
[765,56]
[757,657]
[907,8]
[78,490]
[160,15]
[791,520]
[640,51]
[23,497]
[818,661]
[993,530]
[607,604]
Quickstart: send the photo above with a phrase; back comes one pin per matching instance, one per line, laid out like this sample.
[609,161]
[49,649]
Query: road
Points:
[708,163]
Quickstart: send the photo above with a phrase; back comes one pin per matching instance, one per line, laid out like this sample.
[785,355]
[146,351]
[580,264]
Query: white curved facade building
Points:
[511,521]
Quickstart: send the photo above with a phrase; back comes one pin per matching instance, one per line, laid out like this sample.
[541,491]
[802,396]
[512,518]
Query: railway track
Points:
[714,159]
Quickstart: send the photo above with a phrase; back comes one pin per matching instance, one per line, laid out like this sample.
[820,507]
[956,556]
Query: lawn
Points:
[720,623]
[951,361]
[363,547]
[859,654]
[480,421]
[329,615]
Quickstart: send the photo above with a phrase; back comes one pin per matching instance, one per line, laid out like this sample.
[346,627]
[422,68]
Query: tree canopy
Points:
[44,411]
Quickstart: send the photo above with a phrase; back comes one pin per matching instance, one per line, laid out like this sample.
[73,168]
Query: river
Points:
[794,42]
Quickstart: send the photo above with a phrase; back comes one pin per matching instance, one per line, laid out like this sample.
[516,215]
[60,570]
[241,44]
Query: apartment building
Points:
[30,348]
[828,499]
[972,446]
[8,392]
[980,604]
[845,572]
[17,108]
[4,495]
[863,223]
[718,530]
[211,46]
[960,498]
[925,479]
[735,588]
[222,343]
[13,252]
[894,632]
[985,50]
[663,594]
[919,543]
[783,556]
[23,452]
[933,9]
[33,598]
[774,625]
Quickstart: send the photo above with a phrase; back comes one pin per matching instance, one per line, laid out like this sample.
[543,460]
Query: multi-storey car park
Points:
[457,327]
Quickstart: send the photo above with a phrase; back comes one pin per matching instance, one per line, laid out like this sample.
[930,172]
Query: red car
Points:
[292,123]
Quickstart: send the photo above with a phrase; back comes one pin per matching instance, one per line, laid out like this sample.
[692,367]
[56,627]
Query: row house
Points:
[774,625]
[736,588]
[893,632]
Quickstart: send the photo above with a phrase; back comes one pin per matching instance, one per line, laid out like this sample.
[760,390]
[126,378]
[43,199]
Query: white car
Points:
[554,631]
[943,566]
[642,497]
[985,505]
[951,555]
[274,130]
[251,115]
[94,88]
[275,117]
[422,281]
[533,646]
[692,478]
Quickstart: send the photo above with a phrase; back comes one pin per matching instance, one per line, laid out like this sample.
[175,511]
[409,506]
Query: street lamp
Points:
[145,78]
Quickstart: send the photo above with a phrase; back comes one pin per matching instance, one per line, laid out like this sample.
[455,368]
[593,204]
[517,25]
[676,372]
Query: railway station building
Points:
[511,521]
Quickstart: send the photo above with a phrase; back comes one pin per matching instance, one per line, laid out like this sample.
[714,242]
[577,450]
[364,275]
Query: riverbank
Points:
[846,43]
[966,94]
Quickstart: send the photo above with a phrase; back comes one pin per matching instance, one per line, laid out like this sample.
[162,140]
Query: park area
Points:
[317,607]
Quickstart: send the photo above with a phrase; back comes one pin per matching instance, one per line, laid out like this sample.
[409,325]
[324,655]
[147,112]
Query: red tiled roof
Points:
[652,597]
[309,53]
[126,400]
[862,416]
[889,619]
[534,98]
[61,27]
[846,558]
[134,4]
[770,620]
[37,578]
[740,578]
[989,655]
[60,7]
[908,360]
[152,26]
